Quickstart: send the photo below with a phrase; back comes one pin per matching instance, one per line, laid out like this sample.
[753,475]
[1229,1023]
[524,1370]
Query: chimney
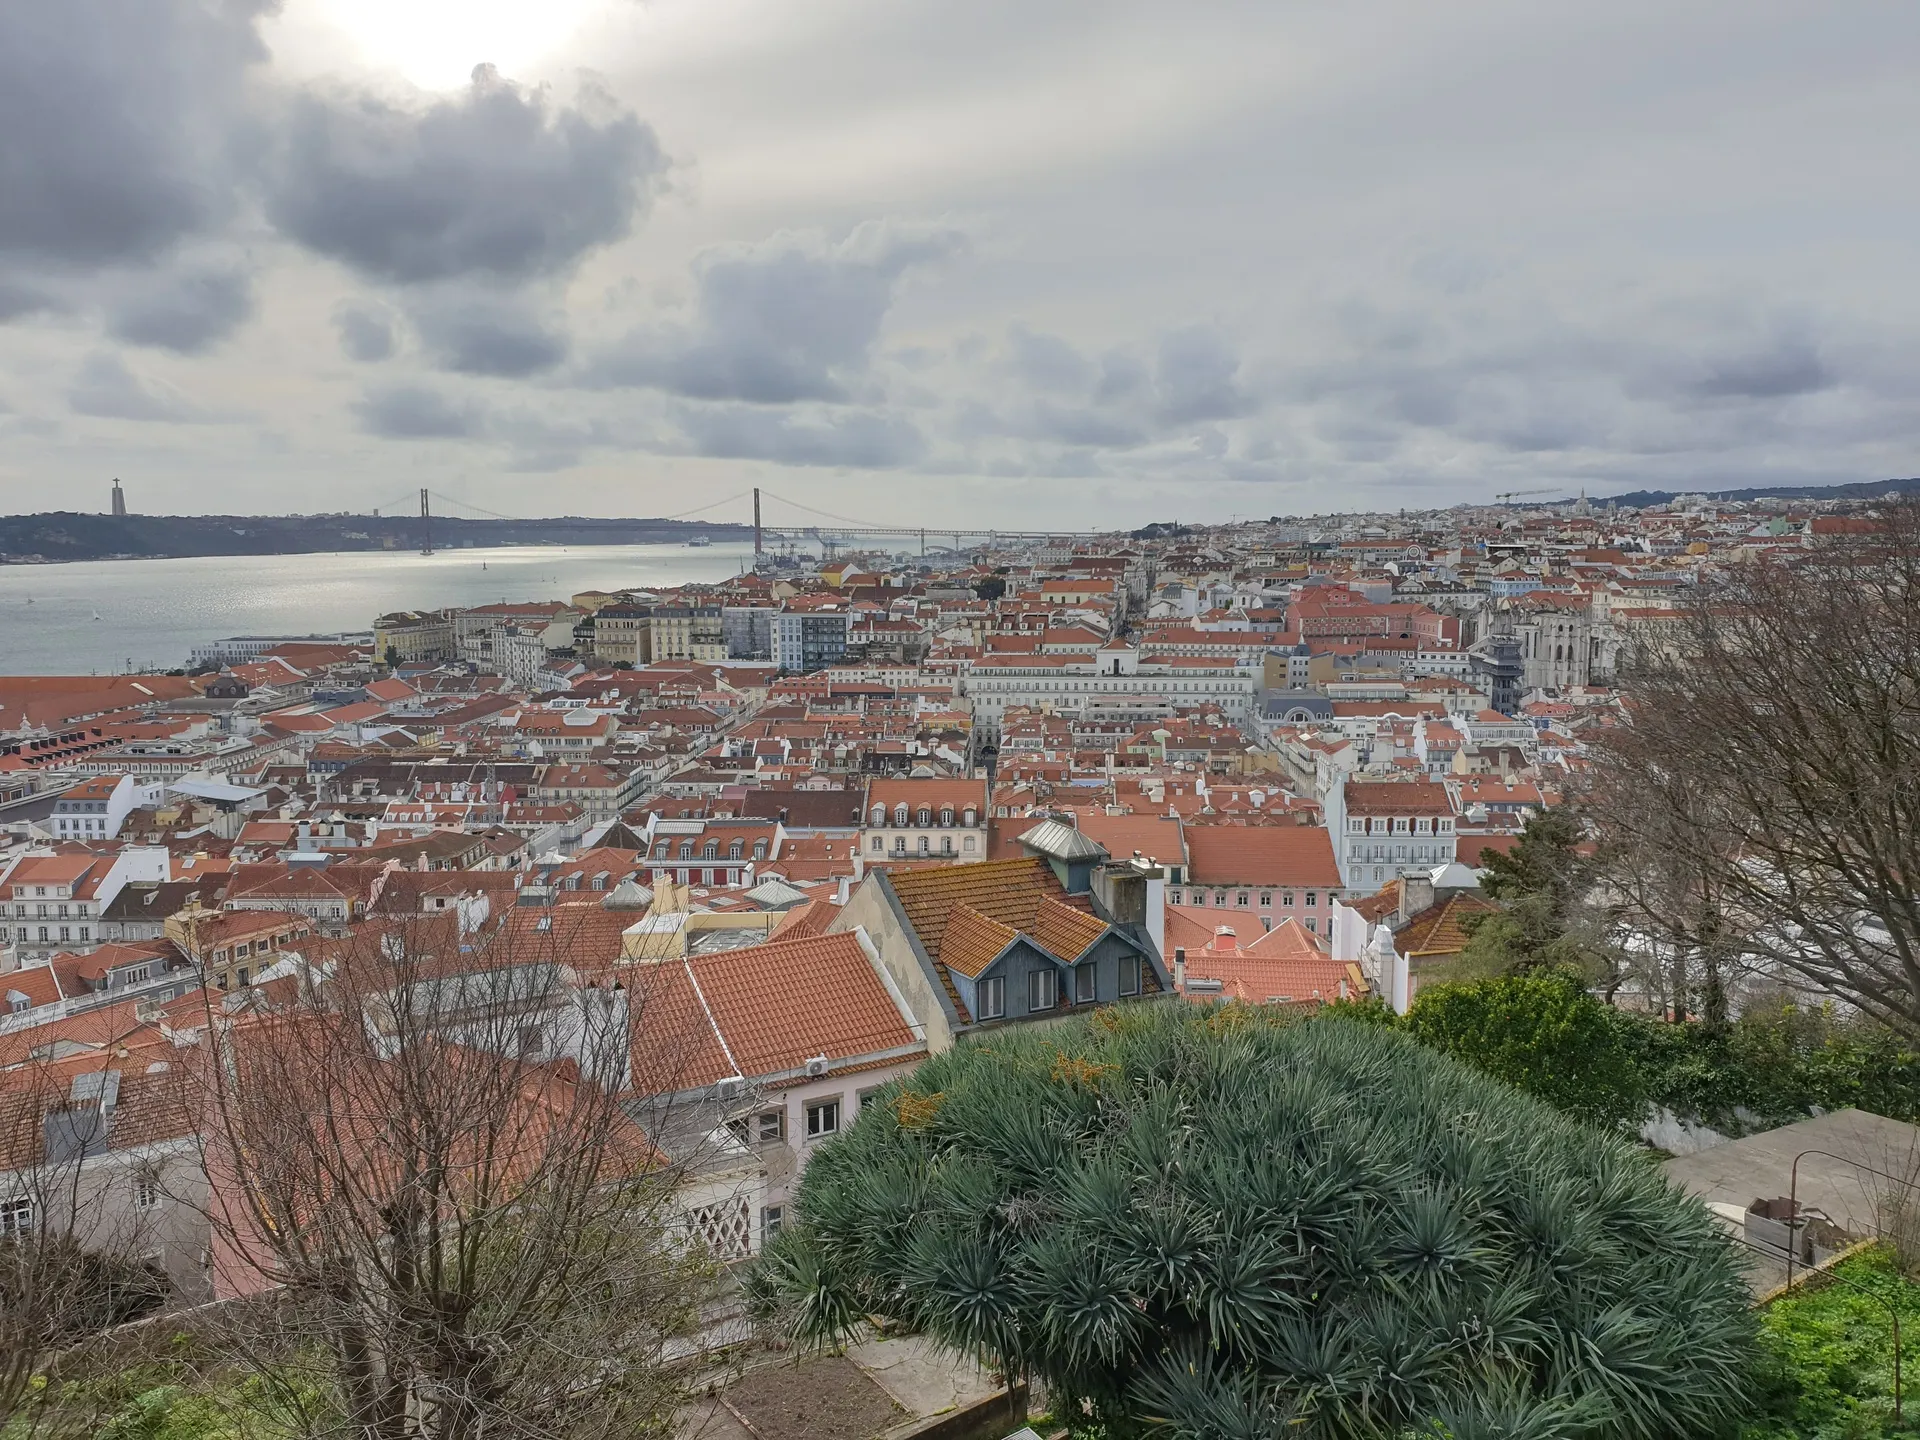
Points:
[1416,893]
[1179,969]
[1224,942]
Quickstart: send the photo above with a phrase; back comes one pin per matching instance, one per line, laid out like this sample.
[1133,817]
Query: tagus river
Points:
[103,616]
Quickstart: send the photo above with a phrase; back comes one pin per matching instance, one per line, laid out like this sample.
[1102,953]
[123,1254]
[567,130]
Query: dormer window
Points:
[686,849]
[879,815]
[710,851]
[946,815]
[900,813]
[759,849]
[970,817]
[735,850]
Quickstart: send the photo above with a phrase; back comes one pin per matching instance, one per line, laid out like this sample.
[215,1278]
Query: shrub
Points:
[1210,1223]
[1542,1032]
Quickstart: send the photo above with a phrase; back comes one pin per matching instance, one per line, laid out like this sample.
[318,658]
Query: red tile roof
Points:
[1265,855]
[1009,892]
[1065,931]
[1413,797]
[765,1009]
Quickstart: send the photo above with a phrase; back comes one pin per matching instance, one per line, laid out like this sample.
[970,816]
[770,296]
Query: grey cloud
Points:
[839,437]
[418,412]
[1122,401]
[1196,376]
[1123,378]
[497,181]
[1660,384]
[20,297]
[1082,425]
[1789,366]
[491,335]
[366,330]
[187,310]
[1047,361]
[792,318]
[106,388]
[119,124]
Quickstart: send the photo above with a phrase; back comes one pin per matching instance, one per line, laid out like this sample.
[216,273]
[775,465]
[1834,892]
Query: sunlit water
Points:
[151,613]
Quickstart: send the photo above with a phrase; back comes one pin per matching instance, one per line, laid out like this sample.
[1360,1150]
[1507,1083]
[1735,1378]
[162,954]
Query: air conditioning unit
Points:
[731,1088]
[817,1066]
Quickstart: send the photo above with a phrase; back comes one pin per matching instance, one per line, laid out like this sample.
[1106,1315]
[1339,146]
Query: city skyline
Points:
[907,264]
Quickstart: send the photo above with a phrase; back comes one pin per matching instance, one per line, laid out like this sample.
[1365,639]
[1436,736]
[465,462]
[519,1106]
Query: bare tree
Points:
[72,1233]
[1761,809]
[423,1142]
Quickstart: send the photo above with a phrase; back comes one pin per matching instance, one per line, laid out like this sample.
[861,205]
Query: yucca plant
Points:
[1209,1224]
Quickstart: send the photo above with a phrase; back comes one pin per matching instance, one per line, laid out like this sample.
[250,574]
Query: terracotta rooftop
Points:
[1414,797]
[766,1009]
[1441,928]
[971,940]
[1063,930]
[1300,855]
[1009,891]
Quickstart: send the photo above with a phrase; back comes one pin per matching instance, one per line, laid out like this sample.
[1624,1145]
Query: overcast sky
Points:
[933,262]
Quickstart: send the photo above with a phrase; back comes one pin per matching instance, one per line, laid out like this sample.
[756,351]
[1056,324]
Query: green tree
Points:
[1541,1032]
[1540,884]
[1204,1222]
[1546,861]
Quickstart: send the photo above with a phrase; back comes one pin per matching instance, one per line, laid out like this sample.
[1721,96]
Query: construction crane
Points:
[1507,497]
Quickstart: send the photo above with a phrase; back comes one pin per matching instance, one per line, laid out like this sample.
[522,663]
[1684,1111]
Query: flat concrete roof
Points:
[219,791]
[1760,1167]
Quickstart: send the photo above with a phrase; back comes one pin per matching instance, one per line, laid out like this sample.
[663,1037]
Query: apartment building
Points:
[688,632]
[1380,829]
[808,640]
[1071,683]
[414,637]
[923,819]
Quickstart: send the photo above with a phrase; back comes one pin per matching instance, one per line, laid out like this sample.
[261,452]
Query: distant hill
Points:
[66,535]
[1860,490]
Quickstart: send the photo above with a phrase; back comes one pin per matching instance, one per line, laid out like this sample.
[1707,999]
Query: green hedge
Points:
[1541,1031]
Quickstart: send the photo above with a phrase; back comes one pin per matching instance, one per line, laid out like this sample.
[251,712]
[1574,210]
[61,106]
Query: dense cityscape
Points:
[738,858]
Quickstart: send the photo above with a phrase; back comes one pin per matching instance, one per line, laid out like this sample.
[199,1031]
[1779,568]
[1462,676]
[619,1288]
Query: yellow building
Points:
[623,634]
[414,637]
[688,632]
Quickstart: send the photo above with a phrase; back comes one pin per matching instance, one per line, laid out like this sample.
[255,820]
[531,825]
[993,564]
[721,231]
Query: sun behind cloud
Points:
[436,43]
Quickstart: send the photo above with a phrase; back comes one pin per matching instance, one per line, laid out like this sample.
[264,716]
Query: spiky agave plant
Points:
[1211,1225]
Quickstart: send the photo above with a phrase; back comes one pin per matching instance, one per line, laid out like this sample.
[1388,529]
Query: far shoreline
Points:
[42,562]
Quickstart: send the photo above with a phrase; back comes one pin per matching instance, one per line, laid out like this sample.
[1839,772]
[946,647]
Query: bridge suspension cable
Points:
[714,505]
[469,505]
[825,514]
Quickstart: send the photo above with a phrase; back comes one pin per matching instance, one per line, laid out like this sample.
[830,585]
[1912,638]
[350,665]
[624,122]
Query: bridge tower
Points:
[756,522]
[426,524]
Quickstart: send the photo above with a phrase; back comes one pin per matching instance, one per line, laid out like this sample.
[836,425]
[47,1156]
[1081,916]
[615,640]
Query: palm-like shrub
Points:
[1203,1223]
